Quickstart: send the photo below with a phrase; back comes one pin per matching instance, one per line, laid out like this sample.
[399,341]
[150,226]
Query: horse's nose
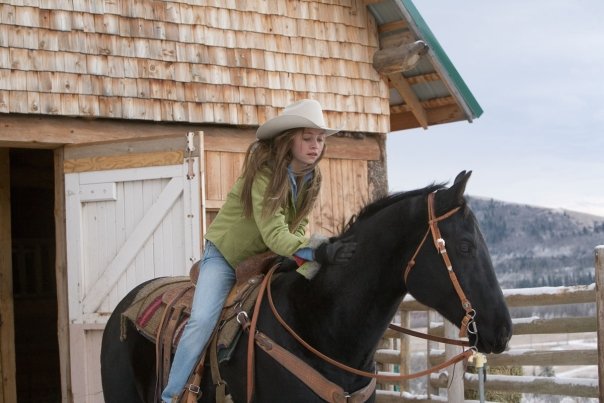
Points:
[502,342]
[489,342]
[501,345]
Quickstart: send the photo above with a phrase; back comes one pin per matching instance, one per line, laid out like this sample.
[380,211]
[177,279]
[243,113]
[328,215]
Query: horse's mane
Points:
[379,204]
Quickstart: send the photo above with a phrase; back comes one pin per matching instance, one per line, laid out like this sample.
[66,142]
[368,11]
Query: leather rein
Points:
[312,378]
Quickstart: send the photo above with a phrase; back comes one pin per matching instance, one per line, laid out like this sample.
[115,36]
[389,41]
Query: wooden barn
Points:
[123,124]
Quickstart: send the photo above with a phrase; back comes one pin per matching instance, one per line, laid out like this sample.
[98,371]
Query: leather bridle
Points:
[313,379]
[468,325]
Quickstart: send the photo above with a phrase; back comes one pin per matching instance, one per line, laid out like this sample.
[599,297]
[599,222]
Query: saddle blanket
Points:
[148,310]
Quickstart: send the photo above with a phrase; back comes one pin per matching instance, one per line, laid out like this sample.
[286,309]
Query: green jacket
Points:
[238,237]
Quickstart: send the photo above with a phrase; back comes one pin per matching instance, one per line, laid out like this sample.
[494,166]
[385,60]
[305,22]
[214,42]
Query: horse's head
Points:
[453,239]
[397,252]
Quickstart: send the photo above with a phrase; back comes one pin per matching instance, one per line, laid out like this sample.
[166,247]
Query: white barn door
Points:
[133,212]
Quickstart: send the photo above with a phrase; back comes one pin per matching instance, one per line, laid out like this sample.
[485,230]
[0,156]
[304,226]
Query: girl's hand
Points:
[337,252]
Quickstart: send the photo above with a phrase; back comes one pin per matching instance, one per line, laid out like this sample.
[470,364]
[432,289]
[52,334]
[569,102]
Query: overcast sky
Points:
[537,69]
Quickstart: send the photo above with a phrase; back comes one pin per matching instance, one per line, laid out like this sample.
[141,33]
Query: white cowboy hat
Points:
[304,113]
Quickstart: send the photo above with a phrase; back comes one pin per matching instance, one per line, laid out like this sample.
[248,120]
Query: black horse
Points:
[344,310]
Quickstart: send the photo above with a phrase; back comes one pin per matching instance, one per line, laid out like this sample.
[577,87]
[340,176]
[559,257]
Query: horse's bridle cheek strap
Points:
[411,262]
[465,303]
[439,243]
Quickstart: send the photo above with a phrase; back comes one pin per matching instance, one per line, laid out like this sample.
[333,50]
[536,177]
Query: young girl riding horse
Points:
[267,209]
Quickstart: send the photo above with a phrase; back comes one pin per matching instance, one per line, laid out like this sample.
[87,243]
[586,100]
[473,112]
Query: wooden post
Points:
[599,264]
[405,351]
[202,184]
[455,392]
[8,376]
[61,277]
[432,317]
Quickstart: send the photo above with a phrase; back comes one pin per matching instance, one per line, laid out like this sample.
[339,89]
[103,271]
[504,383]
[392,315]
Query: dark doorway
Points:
[34,281]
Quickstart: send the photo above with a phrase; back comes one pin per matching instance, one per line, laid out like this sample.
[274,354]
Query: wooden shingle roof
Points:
[429,90]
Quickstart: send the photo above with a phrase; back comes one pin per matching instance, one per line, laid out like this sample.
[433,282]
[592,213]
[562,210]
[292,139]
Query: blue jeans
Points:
[216,278]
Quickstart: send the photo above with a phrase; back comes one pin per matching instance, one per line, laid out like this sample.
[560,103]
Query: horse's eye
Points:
[465,248]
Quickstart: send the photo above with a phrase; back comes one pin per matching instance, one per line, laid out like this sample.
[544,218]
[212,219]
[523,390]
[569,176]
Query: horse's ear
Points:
[459,185]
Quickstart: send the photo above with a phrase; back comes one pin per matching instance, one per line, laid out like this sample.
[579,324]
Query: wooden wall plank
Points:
[348,190]
[213,175]
[337,200]
[327,217]
[8,388]
[361,184]
[228,173]
[342,193]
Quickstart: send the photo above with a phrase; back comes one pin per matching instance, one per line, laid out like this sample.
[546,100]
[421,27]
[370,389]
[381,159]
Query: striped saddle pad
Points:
[164,305]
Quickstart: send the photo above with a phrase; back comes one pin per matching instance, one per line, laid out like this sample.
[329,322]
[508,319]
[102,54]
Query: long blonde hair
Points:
[273,156]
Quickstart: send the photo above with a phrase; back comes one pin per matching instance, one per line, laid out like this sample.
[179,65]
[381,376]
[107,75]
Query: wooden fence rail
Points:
[396,356]
[579,387]
[536,325]
[522,357]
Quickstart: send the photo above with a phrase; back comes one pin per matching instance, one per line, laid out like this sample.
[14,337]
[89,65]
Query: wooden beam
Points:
[402,86]
[213,204]
[399,59]
[144,145]
[420,79]
[444,114]
[429,104]
[124,161]
[396,38]
[51,132]
[366,148]
[393,26]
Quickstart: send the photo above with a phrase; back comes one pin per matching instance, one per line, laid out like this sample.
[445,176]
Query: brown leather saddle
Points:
[161,310]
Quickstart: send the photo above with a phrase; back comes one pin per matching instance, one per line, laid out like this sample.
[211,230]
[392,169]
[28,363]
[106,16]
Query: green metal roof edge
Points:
[442,57]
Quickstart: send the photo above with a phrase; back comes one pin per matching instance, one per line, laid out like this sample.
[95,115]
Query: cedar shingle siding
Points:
[226,62]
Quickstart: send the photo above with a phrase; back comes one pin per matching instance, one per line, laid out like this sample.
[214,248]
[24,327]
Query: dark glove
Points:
[337,252]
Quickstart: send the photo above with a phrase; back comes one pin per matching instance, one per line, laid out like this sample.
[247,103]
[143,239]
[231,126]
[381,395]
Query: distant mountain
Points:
[536,247]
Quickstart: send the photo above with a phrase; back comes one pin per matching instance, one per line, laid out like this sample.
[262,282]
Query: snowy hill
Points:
[534,247]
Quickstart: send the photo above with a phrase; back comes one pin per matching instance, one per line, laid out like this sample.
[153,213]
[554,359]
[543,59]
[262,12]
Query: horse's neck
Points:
[345,309]
[357,302]
[346,319]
